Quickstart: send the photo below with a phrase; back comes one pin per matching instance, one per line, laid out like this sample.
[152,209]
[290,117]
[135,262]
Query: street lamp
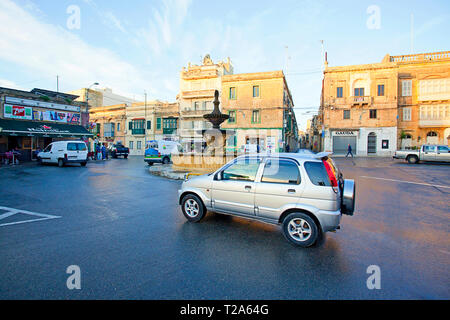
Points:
[87,92]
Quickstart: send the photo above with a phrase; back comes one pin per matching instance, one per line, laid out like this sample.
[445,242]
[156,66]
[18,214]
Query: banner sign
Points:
[18,112]
[56,116]
[41,104]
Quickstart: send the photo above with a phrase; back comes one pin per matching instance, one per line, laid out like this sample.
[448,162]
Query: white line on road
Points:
[11,211]
[410,182]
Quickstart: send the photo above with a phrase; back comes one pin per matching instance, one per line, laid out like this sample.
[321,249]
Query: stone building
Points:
[153,120]
[109,123]
[376,107]
[261,112]
[197,86]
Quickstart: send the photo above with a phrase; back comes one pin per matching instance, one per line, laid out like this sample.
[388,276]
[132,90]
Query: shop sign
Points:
[344,133]
[41,104]
[18,112]
[47,129]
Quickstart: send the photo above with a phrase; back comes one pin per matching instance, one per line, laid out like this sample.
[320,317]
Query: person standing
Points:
[349,151]
[288,148]
[103,152]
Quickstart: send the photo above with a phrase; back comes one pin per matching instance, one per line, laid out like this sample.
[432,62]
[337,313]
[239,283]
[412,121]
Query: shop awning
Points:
[41,129]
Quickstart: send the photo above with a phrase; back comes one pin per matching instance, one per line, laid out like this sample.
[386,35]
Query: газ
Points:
[305,194]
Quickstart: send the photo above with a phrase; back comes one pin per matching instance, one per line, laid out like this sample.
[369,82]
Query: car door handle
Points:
[248,188]
[291,191]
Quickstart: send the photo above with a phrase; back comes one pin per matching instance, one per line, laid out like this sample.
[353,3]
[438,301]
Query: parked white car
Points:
[62,152]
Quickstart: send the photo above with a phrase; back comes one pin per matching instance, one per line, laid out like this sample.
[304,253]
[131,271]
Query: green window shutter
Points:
[130,125]
[158,124]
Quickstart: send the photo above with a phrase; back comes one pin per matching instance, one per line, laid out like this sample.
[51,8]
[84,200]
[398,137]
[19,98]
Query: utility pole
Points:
[145,122]
[412,33]
[57,83]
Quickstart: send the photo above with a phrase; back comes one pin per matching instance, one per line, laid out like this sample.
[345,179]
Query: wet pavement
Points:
[123,227]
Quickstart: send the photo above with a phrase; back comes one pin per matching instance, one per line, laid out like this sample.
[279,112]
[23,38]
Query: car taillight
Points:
[159,154]
[65,156]
[331,174]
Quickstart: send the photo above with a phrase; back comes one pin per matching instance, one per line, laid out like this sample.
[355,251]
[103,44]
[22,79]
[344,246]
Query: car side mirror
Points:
[218,176]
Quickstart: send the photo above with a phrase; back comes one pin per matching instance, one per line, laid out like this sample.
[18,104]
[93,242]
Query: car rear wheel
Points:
[412,160]
[166,160]
[193,208]
[300,229]
[83,164]
[60,163]
[125,156]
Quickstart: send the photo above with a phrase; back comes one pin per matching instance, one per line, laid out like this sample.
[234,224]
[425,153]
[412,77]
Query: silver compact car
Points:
[304,193]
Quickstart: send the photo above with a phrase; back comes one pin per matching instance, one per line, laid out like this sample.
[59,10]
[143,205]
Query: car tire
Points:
[83,164]
[412,160]
[166,160]
[125,156]
[60,163]
[300,229]
[193,208]
[150,164]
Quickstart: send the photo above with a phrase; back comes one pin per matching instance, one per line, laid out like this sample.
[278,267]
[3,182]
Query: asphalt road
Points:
[124,229]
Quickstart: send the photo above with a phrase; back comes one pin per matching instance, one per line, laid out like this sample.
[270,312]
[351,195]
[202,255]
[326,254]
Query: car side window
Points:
[281,171]
[430,149]
[49,147]
[443,149]
[81,146]
[71,147]
[242,169]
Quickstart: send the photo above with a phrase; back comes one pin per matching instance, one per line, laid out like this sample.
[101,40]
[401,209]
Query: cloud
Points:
[46,49]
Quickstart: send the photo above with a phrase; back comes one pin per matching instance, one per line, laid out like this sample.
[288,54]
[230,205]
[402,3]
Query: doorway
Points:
[372,143]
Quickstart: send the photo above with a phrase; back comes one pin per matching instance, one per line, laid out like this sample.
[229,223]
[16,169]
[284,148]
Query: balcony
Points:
[430,123]
[137,131]
[361,100]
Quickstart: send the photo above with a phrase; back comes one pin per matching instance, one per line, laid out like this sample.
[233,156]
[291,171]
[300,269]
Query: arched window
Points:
[432,134]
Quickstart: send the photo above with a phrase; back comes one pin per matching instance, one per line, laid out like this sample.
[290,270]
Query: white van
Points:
[62,152]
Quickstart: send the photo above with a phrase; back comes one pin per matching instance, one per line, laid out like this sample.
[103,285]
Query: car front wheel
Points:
[300,229]
[193,208]
[60,163]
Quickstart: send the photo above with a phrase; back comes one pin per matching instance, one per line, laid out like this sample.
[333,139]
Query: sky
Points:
[139,46]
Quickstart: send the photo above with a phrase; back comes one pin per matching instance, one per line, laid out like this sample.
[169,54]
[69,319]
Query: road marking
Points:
[11,211]
[410,182]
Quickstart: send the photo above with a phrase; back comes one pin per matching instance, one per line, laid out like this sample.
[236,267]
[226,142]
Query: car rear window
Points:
[81,146]
[317,174]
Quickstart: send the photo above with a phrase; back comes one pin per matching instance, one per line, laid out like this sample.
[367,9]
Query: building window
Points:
[130,145]
[196,105]
[118,127]
[346,114]
[256,117]
[406,114]
[232,93]
[381,90]
[255,91]
[232,118]
[340,92]
[373,114]
[138,145]
[359,92]
[406,88]
[149,124]
[158,123]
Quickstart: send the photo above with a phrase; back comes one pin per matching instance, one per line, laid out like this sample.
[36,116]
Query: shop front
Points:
[29,137]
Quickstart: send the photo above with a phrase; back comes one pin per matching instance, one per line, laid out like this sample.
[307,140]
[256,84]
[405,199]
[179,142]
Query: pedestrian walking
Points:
[349,151]
[103,152]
